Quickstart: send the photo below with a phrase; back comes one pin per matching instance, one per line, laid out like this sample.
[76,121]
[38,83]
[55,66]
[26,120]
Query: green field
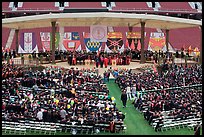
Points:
[135,122]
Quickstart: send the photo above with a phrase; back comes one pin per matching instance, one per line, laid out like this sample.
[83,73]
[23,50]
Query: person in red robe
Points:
[106,62]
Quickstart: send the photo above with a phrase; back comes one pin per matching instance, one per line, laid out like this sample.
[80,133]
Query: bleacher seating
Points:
[176,7]
[131,6]
[5,7]
[36,6]
[5,35]
[85,5]
[184,38]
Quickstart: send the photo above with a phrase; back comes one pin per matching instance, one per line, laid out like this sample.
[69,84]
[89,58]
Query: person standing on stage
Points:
[101,61]
[97,60]
[106,62]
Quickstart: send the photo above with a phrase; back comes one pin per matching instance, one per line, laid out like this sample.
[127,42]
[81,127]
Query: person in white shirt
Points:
[128,91]
[40,115]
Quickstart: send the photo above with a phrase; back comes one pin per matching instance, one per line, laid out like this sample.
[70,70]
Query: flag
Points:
[27,43]
[156,41]
[189,50]
[132,36]
[71,41]
[132,46]
[135,35]
[91,45]
[114,41]
[196,51]
[139,45]
[98,33]
[57,38]
[45,40]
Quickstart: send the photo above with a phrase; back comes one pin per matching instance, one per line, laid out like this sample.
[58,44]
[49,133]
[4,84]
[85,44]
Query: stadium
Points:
[102,68]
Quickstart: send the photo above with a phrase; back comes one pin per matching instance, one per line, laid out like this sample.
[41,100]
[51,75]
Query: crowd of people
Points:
[172,92]
[175,76]
[57,95]
[101,59]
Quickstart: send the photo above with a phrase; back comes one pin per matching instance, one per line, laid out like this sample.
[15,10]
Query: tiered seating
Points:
[5,35]
[5,6]
[85,5]
[131,6]
[38,6]
[176,6]
[185,37]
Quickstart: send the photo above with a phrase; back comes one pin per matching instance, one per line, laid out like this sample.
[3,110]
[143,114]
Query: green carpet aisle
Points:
[136,125]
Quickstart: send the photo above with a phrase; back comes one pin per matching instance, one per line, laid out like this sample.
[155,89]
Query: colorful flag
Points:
[132,46]
[27,43]
[114,41]
[91,45]
[98,33]
[196,51]
[189,50]
[136,35]
[139,45]
[45,40]
[156,41]
[57,38]
[71,40]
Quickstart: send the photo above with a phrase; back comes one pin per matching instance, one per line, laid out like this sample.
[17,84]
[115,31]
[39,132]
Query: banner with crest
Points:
[114,41]
[71,41]
[28,43]
[92,46]
[156,41]
[98,33]
[45,40]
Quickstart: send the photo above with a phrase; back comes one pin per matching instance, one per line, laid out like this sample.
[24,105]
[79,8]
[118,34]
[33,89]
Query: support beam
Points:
[16,33]
[167,40]
[200,60]
[53,41]
[142,60]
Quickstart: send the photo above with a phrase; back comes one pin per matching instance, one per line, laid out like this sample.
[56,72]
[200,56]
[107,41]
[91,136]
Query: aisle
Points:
[136,125]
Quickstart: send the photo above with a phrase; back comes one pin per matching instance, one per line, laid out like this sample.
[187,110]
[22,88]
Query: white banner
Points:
[98,33]
[28,42]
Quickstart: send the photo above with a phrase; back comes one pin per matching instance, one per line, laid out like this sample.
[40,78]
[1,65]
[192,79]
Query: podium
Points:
[114,62]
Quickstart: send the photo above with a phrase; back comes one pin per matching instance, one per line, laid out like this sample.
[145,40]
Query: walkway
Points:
[136,125]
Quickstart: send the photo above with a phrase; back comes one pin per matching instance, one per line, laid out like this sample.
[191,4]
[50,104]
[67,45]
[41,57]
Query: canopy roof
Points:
[99,18]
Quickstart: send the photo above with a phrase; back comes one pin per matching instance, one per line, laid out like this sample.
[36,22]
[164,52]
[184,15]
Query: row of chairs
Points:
[13,130]
[52,128]
[179,123]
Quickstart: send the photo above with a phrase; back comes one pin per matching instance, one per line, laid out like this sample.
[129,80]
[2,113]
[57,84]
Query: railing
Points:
[172,88]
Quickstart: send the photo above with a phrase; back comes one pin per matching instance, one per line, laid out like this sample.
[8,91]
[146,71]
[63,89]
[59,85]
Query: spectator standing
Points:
[40,115]
[124,98]
[128,91]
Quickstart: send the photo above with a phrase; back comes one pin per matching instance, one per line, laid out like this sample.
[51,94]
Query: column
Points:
[142,60]
[53,41]
[167,40]
[16,33]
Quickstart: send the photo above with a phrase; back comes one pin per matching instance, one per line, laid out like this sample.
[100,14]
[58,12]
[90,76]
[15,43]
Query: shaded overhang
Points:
[99,18]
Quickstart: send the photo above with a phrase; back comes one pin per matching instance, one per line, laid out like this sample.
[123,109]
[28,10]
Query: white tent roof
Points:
[99,18]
